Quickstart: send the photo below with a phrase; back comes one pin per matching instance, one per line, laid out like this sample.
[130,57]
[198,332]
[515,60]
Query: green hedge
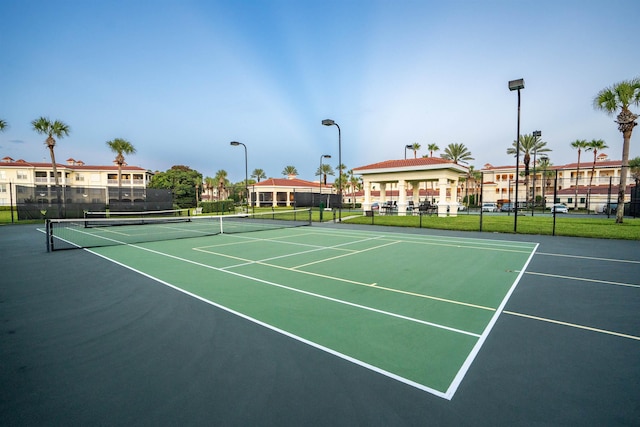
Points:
[218,207]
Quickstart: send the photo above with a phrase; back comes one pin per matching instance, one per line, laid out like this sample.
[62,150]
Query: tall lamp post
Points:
[405,150]
[517,85]
[536,134]
[329,122]
[246,171]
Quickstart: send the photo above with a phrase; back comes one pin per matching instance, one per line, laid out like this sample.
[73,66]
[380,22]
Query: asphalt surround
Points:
[84,341]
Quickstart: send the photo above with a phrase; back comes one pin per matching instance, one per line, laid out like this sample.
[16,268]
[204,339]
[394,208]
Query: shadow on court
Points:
[84,341]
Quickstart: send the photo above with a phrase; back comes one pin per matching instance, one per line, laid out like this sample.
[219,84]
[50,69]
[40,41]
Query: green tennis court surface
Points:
[413,307]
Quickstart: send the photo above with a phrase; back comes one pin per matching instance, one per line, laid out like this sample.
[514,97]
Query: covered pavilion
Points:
[414,173]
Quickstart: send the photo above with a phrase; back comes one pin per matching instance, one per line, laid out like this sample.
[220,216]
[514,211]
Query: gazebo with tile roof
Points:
[281,191]
[413,172]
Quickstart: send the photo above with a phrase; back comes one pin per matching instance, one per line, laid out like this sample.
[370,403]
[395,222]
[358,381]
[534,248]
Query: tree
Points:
[594,145]
[120,147]
[182,181]
[209,184]
[634,166]
[456,152]
[579,144]
[3,125]
[432,148]
[545,164]
[620,97]
[258,174]
[57,129]
[529,144]
[222,183]
[289,170]
[324,171]
[356,185]
[415,147]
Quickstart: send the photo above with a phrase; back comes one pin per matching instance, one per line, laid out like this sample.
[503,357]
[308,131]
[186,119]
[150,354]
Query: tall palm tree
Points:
[415,147]
[529,144]
[120,147]
[355,184]
[258,174]
[57,129]
[3,124]
[289,170]
[209,185]
[222,183]
[611,100]
[324,171]
[545,164]
[594,145]
[634,167]
[456,152]
[578,144]
[432,148]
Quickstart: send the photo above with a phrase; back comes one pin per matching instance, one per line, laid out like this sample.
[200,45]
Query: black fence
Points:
[308,200]
[42,202]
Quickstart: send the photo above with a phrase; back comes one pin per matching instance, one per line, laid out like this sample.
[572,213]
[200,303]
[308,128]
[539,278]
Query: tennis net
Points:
[94,232]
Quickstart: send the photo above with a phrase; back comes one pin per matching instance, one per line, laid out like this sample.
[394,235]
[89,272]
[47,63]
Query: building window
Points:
[3,175]
[3,188]
[22,174]
[79,178]
[569,200]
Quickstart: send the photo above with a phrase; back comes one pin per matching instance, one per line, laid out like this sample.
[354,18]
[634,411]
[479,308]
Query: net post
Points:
[48,234]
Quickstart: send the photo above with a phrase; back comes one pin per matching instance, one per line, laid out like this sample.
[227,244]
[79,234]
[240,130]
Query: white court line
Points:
[590,257]
[573,325]
[476,348]
[277,285]
[583,279]
[344,255]
[285,333]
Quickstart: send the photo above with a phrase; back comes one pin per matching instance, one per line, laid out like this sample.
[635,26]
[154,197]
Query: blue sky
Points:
[181,79]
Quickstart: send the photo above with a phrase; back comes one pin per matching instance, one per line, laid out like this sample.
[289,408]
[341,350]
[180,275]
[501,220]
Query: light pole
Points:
[517,85]
[536,134]
[246,171]
[329,122]
[405,150]
[324,156]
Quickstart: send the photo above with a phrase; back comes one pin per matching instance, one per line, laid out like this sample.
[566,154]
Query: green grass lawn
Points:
[589,226]
[595,226]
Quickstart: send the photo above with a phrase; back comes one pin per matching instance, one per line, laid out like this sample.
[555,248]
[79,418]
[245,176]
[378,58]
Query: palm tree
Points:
[258,174]
[415,147]
[289,170]
[611,99]
[355,184]
[324,171]
[120,147]
[457,152]
[579,144]
[594,145]
[3,125]
[529,144]
[432,148]
[57,129]
[545,165]
[222,183]
[634,166]
[209,185]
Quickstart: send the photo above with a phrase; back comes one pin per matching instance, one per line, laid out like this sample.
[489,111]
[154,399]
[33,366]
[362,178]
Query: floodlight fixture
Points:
[516,84]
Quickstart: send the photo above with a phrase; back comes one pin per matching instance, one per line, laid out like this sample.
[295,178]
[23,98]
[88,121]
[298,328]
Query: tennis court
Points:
[359,325]
[415,308]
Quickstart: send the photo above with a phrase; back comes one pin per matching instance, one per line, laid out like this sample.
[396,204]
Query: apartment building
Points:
[578,186]
[22,181]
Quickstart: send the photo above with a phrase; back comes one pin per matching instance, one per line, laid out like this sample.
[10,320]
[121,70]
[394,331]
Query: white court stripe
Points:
[583,279]
[630,261]
[573,325]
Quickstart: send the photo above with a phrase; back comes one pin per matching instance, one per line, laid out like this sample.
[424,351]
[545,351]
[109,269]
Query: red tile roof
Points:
[9,162]
[285,182]
[389,164]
